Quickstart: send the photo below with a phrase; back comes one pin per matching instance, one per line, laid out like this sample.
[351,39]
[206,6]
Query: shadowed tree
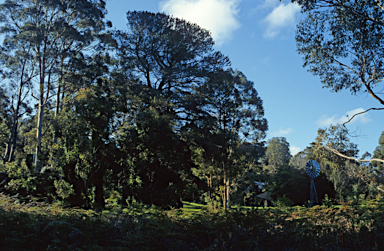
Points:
[17,74]
[5,118]
[169,56]
[235,115]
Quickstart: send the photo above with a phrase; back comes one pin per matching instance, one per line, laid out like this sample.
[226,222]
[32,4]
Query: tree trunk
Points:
[99,192]
[9,146]
[76,199]
[12,143]
[225,198]
[227,191]
[57,110]
[40,113]
[210,188]
[40,116]
[58,101]
[228,166]
[10,150]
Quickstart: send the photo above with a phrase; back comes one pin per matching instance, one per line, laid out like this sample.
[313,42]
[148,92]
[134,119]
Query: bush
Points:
[39,226]
[27,182]
[283,202]
[327,201]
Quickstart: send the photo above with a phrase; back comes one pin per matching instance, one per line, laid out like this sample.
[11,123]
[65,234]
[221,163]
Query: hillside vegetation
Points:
[40,226]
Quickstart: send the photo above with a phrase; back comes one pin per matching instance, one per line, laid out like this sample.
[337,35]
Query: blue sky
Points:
[258,37]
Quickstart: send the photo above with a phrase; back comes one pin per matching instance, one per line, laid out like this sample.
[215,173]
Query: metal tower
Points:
[313,169]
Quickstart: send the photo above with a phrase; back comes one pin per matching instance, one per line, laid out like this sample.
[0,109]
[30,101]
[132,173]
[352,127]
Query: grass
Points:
[192,207]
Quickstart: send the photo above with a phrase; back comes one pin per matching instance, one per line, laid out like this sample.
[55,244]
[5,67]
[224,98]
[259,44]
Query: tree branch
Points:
[352,158]
[361,113]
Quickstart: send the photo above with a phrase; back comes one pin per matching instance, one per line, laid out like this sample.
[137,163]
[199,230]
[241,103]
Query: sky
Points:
[259,38]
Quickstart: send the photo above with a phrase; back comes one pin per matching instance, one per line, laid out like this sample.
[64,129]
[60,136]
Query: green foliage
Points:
[277,154]
[341,42]
[38,226]
[114,200]
[45,37]
[327,201]
[379,153]
[120,111]
[4,134]
[63,189]
[28,184]
[282,202]
[22,181]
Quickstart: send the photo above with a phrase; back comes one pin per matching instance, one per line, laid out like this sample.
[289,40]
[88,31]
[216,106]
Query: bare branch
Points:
[379,4]
[353,158]
[362,113]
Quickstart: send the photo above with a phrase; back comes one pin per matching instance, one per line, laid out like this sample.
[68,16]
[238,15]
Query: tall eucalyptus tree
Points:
[17,75]
[342,43]
[51,32]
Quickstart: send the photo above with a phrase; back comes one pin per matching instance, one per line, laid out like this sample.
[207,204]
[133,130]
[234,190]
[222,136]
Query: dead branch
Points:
[356,159]
[359,113]
[353,158]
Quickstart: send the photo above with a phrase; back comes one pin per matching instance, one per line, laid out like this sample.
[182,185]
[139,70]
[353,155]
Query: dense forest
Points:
[91,116]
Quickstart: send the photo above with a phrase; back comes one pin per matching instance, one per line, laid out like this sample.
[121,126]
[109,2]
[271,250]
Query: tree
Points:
[86,148]
[294,184]
[4,121]
[236,115]
[340,171]
[247,170]
[51,33]
[204,169]
[182,75]
[169,56]
[299,161]
[17,74]
[156,158]
[341,42]
[379,154]
[277,153]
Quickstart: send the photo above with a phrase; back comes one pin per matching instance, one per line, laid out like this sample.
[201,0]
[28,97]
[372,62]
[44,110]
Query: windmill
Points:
[312,168]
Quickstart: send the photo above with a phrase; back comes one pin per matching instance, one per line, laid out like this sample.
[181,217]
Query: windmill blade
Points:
[312,168]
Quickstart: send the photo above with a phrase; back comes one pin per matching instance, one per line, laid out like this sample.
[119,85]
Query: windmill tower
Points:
[312,168]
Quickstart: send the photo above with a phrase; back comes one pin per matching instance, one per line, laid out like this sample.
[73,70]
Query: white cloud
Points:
[282,16]
[217,16]
[334,120]
[294,150]
[283,131]
[270,3]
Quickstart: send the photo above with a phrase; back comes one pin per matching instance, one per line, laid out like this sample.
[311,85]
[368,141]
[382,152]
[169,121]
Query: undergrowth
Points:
[40,226]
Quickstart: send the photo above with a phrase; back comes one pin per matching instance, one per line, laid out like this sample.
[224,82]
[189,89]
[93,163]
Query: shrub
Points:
[283,202]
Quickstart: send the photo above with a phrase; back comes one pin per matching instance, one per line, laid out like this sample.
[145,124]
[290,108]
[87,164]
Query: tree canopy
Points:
[131,112]
[341,42]
[154,114]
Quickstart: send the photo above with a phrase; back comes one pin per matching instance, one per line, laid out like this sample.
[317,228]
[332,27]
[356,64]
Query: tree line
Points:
[151,114]
[146,112]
